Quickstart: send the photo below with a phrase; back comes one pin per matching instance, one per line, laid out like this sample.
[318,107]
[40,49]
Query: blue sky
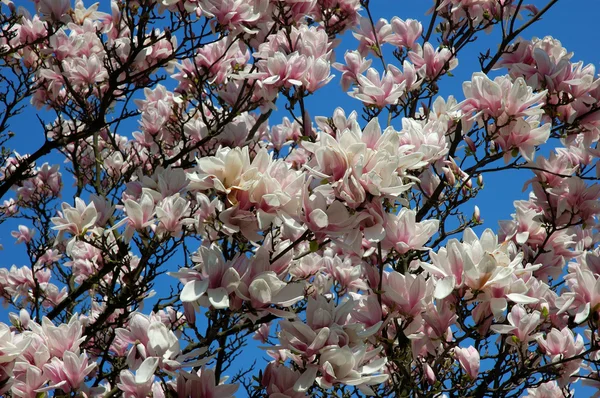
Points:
[574,23]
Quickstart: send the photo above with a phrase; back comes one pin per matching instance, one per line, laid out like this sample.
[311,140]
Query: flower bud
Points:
[470,144]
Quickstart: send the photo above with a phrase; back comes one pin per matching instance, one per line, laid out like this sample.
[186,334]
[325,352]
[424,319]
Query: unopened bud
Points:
[471,144]
[477,215]
[469,183]
[429,374]
[449,174]
[480,180]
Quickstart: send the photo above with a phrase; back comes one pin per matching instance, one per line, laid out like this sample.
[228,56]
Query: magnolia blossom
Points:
[346,248]
[469,360]
[75,220]
[213,284]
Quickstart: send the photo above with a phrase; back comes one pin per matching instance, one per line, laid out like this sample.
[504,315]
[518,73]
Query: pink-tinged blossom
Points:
[172,214]
[138,385]
[404,33]
[355,65]
[352,367]
[233,14]
[447,268]
[62,338]
[404,233]
[75,220]
[202,384]
[211,282]
[279,381]
[560,344]
[576,201]
[426,138]
[583,298]
[522,134]
[30,384]
[372,36]
[432,63]
[54,10]
[522,325]
[359,162]
[500,98]
[486,263]
[140,215]
[407,294]
[377,90]
[318,74]
[223,171]
[69,372]
[23,235]
[549,389]
[469,360]
[266,289]
[408,76]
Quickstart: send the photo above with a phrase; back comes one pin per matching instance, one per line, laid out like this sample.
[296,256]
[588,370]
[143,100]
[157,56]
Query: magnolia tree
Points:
[183,202]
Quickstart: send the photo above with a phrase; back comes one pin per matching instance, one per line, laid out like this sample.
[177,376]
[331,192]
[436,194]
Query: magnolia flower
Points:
[214,282]
[54,10]
[403,233]
[376,90]
[522,325]
[469,360]
[266,288]
[500,98]
[62,338]
[355,66]
[24,234]
[549,389]
[70,372]
[140,384]
[352,367]
[404,33]
[202,384]
[75,220]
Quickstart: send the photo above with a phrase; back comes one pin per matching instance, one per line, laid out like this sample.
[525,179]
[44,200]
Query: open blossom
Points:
[75,220]
[522,324]
[372,37]
[404,33]
[23,235]
[266,288]
[354,367]
[69,372]
[403,233]
[431,63]
[202,384]
[211,282]
[377,90]
[54,10]
[138,385]
[500,98]
[355,66]
[331,240]
[233,14]
[549,389]
[524,135]
[359,162]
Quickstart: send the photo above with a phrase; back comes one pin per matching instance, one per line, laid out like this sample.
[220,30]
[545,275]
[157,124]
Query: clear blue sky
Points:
[573,22]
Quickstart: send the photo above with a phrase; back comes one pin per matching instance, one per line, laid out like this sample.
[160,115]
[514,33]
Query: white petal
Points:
[306,380]
[218,298]
[193,290]
[146,370]
[521,298]
[444,287]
